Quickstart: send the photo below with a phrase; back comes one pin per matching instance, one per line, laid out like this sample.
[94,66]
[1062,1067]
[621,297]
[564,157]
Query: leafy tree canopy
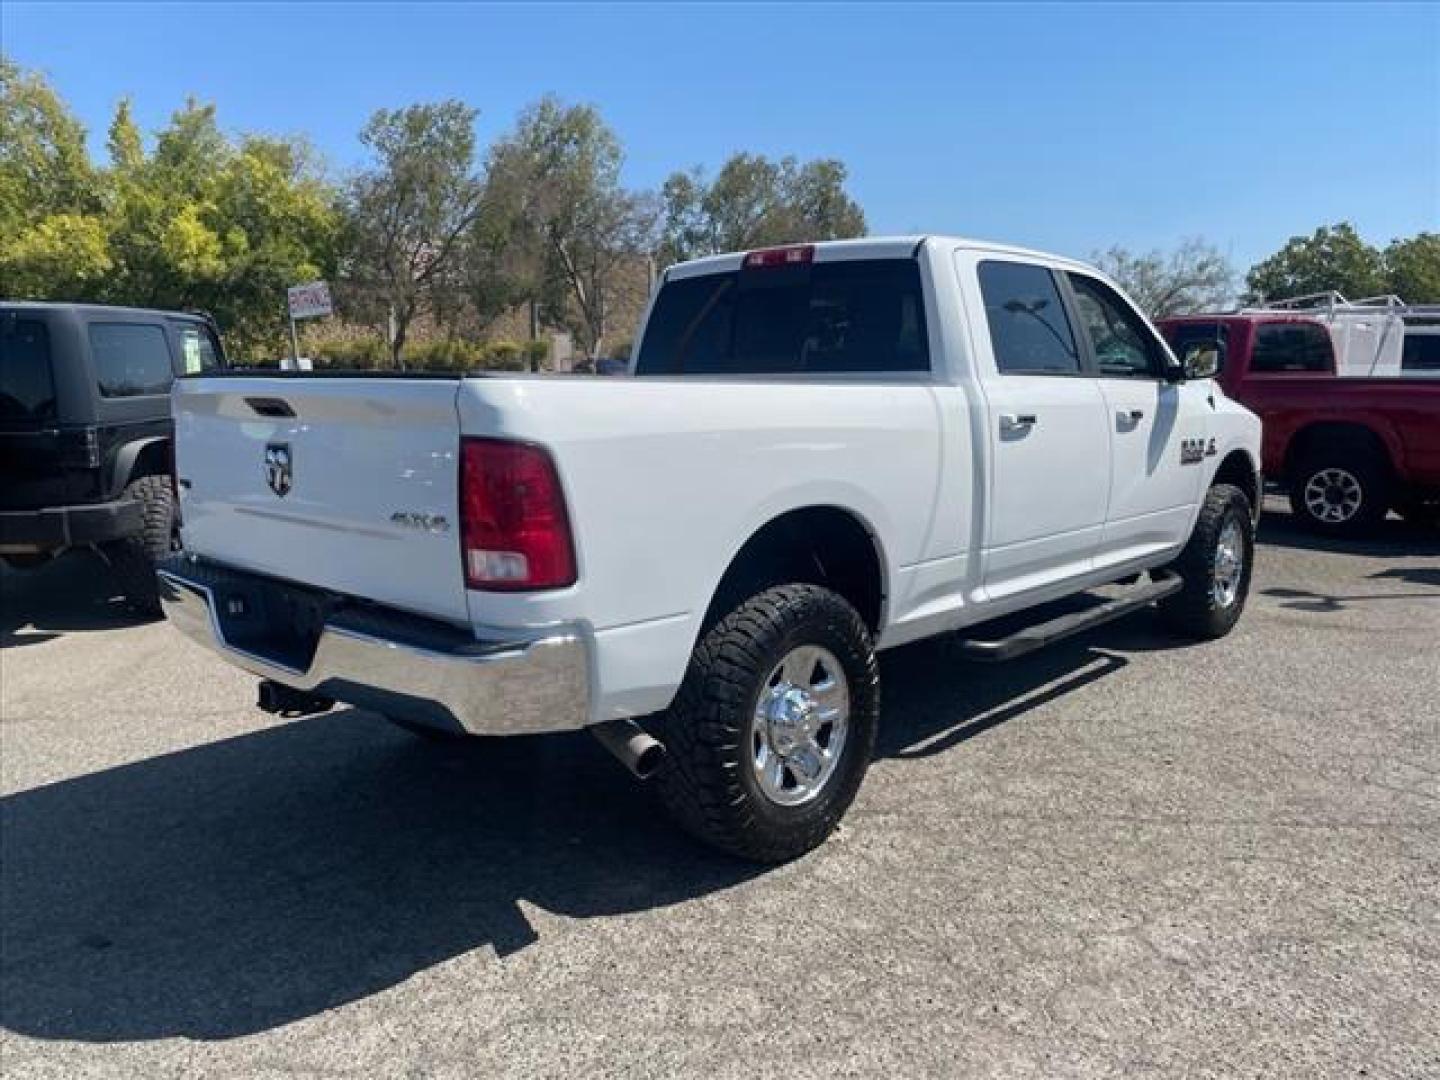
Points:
[755,202]
[1194,277]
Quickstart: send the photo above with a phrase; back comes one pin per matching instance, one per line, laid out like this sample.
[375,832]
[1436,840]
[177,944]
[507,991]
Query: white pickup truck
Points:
[821,451]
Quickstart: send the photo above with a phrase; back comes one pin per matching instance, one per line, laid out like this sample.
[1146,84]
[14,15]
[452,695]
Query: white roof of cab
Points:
[868,247]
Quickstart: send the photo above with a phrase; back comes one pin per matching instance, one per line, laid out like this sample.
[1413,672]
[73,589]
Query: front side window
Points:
[1124,347]
[1283,347]
[131,359]
[861,316]
[1029,329]
[27,388]
[1182,335]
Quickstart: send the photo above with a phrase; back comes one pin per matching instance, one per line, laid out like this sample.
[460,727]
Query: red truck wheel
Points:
[1344,490]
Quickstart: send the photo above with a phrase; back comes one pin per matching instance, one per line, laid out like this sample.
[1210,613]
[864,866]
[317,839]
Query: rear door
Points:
[1047,431]
[1158,429]
[347,484]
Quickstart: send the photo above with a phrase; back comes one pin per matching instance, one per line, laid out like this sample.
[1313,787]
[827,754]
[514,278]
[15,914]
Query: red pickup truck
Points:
[1348,449]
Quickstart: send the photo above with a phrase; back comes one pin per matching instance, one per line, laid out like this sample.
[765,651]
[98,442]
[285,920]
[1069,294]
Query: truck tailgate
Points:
[347,484]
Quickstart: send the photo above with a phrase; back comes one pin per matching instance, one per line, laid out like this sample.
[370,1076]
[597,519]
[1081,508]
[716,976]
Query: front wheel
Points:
[774,725]
[1215,566]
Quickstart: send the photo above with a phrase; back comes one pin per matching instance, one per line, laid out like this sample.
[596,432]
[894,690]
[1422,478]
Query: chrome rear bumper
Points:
[395,664]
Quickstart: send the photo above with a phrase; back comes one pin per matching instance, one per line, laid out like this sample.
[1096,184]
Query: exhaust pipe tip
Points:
[281,700]
[632,746]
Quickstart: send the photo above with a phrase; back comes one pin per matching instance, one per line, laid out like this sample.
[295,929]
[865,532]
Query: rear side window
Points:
[827,318]
[27,389]
[1421,352]
[1029,329]
[1292,347]
[197,350]
[130,359]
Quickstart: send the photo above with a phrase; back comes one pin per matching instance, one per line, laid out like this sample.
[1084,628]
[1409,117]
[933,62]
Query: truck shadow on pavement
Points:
[1389,538]
[244,884]
[70,594]
[241,885]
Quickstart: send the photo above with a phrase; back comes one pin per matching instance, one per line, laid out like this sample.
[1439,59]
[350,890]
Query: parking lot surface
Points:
[1123,856]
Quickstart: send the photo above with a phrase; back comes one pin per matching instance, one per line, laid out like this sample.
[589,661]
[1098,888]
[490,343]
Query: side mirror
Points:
[1201,360]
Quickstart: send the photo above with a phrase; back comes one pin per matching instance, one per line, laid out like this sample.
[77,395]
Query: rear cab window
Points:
[863,316]
[130,359]
[27,383]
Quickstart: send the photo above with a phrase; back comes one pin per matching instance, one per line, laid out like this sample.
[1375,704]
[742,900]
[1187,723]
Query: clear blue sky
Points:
[1069,128]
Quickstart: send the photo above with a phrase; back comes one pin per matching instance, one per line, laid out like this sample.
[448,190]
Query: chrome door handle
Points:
[1017,422]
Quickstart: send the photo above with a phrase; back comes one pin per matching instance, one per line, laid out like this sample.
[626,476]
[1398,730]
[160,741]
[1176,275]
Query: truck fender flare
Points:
[1364,424]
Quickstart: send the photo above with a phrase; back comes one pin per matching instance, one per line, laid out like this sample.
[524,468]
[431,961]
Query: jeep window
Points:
[1124,347]
[866,315]
[197,350]
[27,389]
[131,359]
[1291,347]
[1029,329]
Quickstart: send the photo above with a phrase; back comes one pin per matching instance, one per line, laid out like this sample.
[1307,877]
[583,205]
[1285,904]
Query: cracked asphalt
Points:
[1123,856]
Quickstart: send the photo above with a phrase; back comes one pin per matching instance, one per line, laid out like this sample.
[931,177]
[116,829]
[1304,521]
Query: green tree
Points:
[1194,277]
[206,223]
[556,181]
[52,225]
[1333,257]
[1413,268]
[756,202]
[409,215]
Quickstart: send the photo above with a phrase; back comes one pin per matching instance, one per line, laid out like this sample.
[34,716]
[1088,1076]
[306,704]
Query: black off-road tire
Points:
[134,558]
[1194,611]
[708,781]
[1368,469]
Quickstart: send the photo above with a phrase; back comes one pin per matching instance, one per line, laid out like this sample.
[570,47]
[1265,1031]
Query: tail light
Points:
[514,532]
[766,258]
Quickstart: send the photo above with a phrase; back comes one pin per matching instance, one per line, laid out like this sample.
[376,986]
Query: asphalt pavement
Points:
[1123,856]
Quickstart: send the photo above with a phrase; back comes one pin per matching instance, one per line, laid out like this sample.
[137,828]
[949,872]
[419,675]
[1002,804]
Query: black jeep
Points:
[85,433]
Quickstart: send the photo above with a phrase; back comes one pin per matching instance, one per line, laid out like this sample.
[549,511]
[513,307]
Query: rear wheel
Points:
[1341,490]
[1215,566]
[773,727]
[134,558]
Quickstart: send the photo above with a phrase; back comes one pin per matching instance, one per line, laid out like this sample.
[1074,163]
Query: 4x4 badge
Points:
[279,467]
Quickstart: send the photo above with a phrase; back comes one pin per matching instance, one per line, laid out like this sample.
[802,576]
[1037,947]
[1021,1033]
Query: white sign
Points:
[310,301]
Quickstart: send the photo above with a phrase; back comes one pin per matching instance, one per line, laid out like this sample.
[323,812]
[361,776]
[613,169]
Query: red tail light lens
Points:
[798,255]
[514,532]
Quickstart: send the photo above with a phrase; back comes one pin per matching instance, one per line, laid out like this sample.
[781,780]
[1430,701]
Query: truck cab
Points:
[85,432]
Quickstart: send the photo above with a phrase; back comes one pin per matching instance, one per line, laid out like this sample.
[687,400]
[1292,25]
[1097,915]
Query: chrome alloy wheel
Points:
[1228,568]
[1333,495]
[800,724]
